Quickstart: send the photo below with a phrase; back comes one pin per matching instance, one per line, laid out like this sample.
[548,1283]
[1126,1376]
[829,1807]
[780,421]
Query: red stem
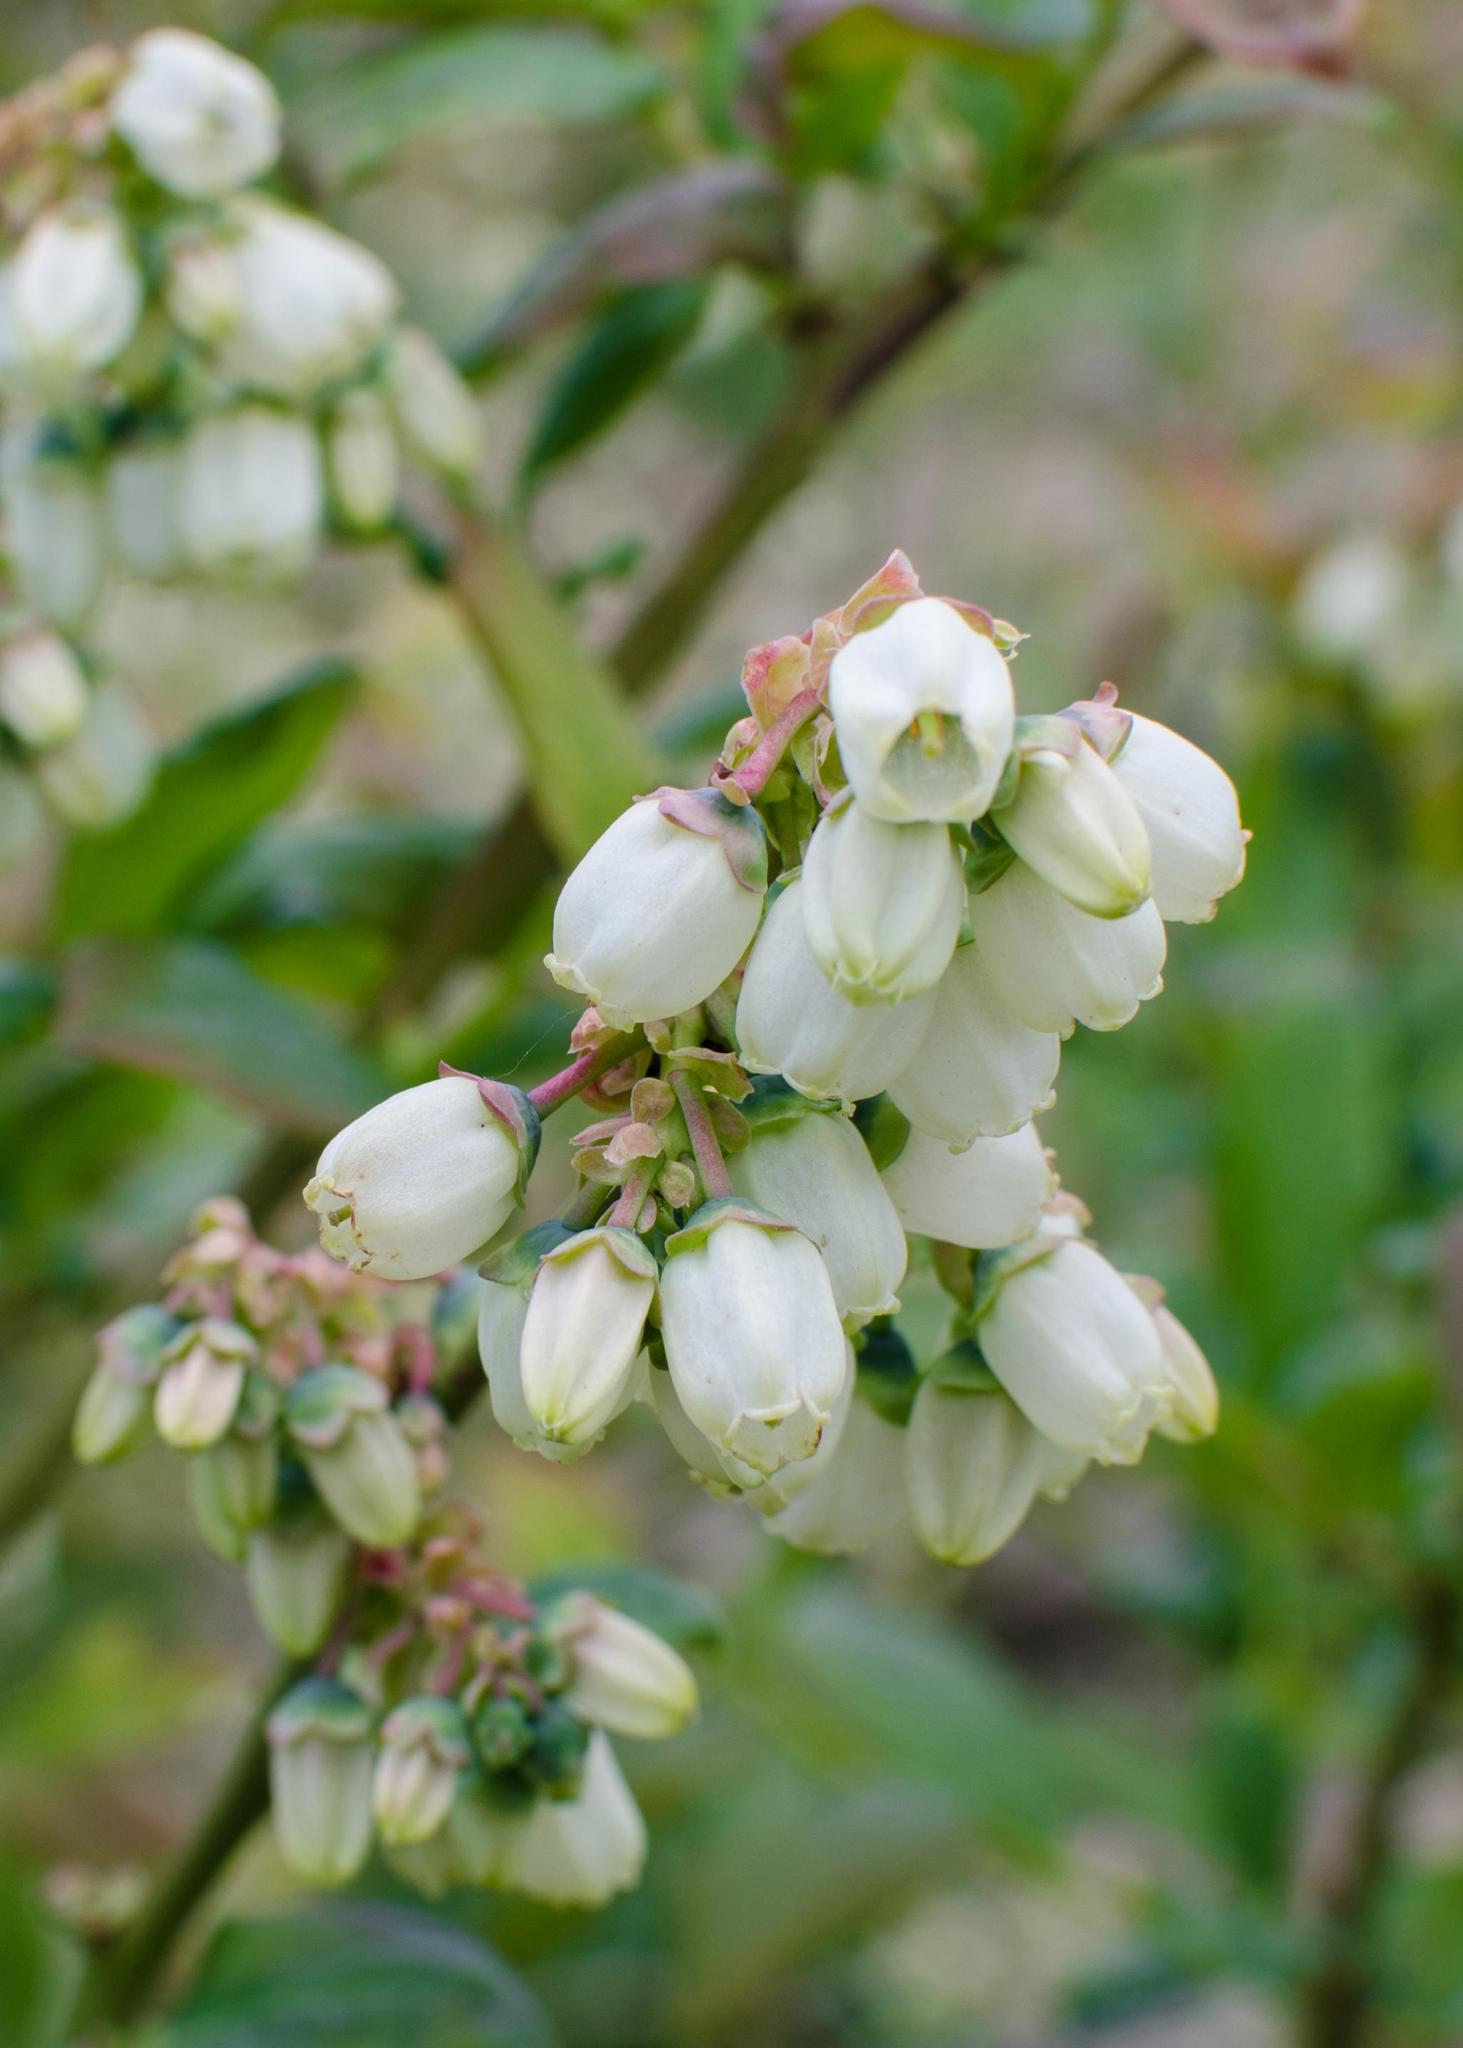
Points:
[564,1086]
[757,770]
[709,1162]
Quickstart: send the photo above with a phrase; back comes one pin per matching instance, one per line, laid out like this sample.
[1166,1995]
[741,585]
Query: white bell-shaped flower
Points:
[1194,1413]
[43,694]
[1189,807]
[580,1851]
[752,1334]
[434,409]
[977,1072]
[924,713]
[792,1021]
[55,536]
[1053,966]
[1076,1350]
[202,288]
[625,1678]
[662,907]
[251,493]
[321,1761]
[424,1754]
[362,460]
[197,118]
[972,1466]
[1074,824]
[312,303]
[295,1573]
[142,507]
[882,904]
[583,1330]
[201,1383]
[420,1182]
[76,293]
[985,1195]
[502,1312]
[104,771]
[856,1496]
[814,1170]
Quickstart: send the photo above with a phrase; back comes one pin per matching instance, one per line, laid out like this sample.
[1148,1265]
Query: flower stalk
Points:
[704,1143]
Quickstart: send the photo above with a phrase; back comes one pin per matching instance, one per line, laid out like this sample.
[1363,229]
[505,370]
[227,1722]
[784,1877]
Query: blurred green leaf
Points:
[27,994]
[327,871]
[680,226]
[350,123]
[208,795]
[1253,1792]
[686,1615]
[355,1976]
[36,1966]
[625,350]
[193,1012]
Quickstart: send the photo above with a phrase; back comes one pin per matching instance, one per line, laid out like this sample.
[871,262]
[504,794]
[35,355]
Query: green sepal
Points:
[515,1263]
[630,1253]
[741,833]
[501,1733]
[711,1215]
[322,1404]
[884,1128]
[258,1408]
[987,861]
[323,1707]
[555,1757]
[993,1269]
[888,1374]
[776,1106]
[962,1369]
[132,1345]
[439,1724]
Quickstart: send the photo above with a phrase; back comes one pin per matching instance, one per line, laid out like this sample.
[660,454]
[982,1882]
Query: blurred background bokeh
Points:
[1184,1765]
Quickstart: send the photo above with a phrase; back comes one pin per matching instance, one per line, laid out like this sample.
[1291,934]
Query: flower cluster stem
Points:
[709,1163]
[761,764]
[576,1077]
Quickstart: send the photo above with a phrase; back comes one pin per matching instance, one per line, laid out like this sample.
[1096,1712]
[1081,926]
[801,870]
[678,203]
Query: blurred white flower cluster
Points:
[828,993]
[445,1713]
[196,379]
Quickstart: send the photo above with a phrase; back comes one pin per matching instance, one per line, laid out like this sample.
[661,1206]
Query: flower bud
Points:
[882,904]
[580,1851]
[856,1497]
[586,1317]
[425,1179]
[198,119]
[1053,966]
[251,494]
[54,535]
[792,1021]
[340,1422]
[814,1170]
[502,1311]
[77,293]
[989,1194]
[1194,1413]
[201,1383]
[924,713]
[424,1753]
[320,1765]
[242,1468]
[296,1574]
[624,1677]
[752,1334]
[362,460]
[203,290]
[434,409]
[312,303]
[1075,1349]
[142,508]
[117,1398]
[102,773]
[1191,813]
[662,907]
[1073,823]
[972,1464]
[22,817]
[978,1072]
[43,692]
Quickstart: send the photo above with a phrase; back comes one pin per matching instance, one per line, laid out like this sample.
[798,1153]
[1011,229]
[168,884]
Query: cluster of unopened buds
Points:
[197,379]
[440,1708]
[828,994]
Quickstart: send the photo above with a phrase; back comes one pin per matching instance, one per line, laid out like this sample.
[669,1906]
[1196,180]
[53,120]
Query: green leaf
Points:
[26,996]
[626,349]
[37,1968]
[682,225]
[208,795]
[687,1616]
[328,871]
[193,1012]
[355,1976]
[353,121]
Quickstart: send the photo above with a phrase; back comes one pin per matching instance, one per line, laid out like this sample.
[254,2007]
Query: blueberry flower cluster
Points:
[440,1709]
[195,380]
[827,995]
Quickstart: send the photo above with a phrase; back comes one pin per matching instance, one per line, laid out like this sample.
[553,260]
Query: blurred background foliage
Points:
[1171,378]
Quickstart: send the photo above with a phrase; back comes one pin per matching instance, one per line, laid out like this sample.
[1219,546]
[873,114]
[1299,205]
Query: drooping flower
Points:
[977,1072]
[990,1193]
[583,1330]
[1053,966]
[1073,823]
[882,904]
[200,120]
